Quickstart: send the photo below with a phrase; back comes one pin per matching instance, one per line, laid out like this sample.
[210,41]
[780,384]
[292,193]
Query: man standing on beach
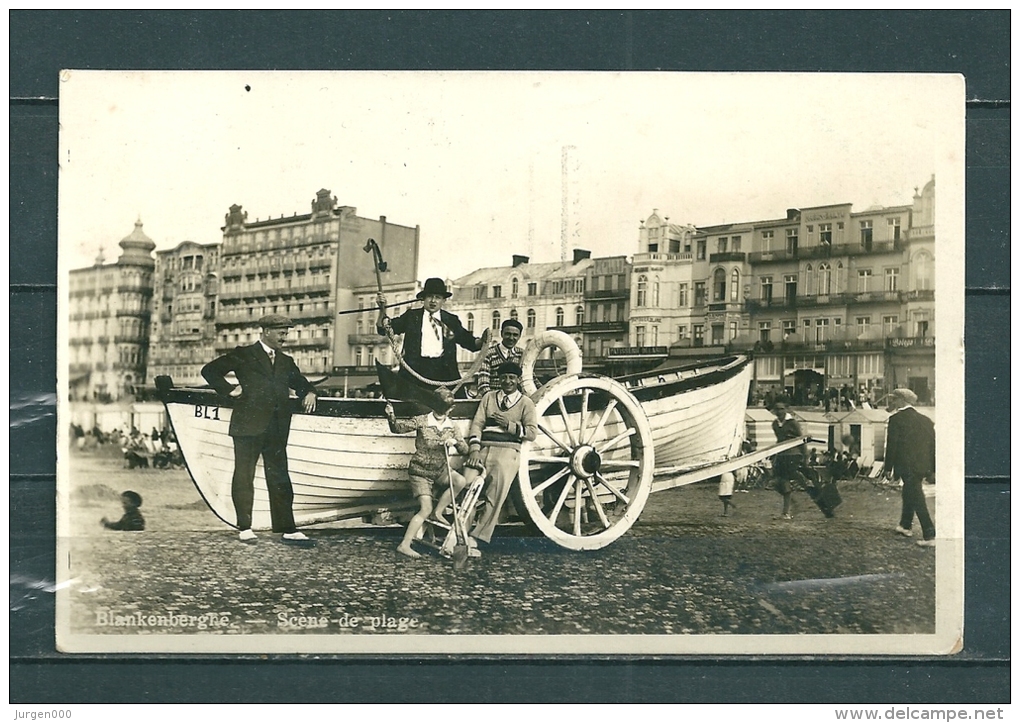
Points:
[910,455]
[260,423]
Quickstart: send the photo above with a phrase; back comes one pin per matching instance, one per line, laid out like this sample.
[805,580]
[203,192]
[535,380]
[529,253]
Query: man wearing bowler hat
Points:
[431,335]
[260,423]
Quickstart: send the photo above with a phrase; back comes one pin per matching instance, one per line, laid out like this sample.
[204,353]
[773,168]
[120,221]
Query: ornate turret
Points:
[137,247]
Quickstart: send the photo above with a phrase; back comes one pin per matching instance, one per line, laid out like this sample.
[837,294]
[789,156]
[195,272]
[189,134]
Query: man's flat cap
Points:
[275,321]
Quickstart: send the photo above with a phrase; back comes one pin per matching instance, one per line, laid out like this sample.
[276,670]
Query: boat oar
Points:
[460,549]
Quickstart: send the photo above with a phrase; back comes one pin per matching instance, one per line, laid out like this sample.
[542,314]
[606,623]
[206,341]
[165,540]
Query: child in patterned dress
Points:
[436,435]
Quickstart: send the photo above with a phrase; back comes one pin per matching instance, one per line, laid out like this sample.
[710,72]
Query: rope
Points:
[431,382]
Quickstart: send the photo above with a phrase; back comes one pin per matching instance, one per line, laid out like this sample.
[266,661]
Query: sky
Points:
[477,159]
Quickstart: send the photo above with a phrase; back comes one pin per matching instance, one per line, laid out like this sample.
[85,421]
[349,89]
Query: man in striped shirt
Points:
[503,351]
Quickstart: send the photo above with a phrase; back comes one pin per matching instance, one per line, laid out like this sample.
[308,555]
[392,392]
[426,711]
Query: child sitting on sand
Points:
[132,521]
[436,434]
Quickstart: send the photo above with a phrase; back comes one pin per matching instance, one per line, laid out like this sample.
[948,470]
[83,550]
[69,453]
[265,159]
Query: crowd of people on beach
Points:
[158,449]
[845,398]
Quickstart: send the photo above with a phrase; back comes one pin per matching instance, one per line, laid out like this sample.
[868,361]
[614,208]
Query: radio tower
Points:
[567,200]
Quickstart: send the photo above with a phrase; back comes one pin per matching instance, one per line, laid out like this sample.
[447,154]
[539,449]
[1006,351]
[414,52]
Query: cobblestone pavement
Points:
[682,569]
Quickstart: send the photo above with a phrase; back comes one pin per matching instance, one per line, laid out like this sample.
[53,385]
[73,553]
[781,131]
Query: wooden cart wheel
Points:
[586,477]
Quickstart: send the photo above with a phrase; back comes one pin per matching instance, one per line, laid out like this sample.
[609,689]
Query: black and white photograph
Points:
[506,363]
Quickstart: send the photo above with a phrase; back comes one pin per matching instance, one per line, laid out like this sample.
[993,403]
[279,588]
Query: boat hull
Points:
[345,463]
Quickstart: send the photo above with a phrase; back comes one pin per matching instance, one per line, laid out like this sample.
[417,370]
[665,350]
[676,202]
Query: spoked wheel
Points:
[586,477]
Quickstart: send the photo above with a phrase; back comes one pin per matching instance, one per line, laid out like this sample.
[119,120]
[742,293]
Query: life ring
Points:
[551,338]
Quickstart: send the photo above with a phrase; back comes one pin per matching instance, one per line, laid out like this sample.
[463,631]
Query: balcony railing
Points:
[661,256]
[316,343]
[608,294]
[724,256]
[365,339]
[604,327]
[918,295]
[843,299]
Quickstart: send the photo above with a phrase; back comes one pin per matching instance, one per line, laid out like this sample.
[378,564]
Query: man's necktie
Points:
[505,404]
[272,357]
[436,327]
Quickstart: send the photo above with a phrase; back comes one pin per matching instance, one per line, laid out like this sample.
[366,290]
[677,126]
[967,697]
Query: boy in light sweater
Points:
[505,417]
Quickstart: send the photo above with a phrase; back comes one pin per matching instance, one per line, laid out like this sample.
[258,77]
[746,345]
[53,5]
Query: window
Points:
[736,244]
[790,282]
[821,331]
[513,289]
[717,334]
[719,285]
[863,325]
[824,280]
[922,271]
[655,335]
[495,321]
[767,238]
[825,234]
[606,308]
[890,324]
[766,289]
[579,316]
[681,332]
[791,241]
[531,318]
[699,293]
[863,280]
[699,335]
[682,300]
[894,229]
[892,279]
[921,323]
[532,289]
[735,285]
[642,290]
[789,327]
[866,235]
[357,356]
[513,314]
[497,292]
[639,336]
[701,249]
[655,294]
[809,277]
[764,331]
[723,241]
[559,316]
[470,321]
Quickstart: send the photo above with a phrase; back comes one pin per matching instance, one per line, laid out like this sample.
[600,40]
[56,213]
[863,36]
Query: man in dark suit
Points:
[910,455]
[260,423]
[431,335]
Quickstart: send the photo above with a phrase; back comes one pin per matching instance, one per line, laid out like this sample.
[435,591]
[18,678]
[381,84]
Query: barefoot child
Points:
[132,521]
[726,482]
[436,433]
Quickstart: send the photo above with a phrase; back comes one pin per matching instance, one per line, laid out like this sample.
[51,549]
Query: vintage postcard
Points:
[510,363]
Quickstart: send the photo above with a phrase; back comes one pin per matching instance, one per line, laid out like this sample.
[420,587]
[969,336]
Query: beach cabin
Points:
[867,428]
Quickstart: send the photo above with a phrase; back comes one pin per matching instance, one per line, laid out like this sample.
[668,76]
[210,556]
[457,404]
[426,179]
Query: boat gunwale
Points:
[708,374]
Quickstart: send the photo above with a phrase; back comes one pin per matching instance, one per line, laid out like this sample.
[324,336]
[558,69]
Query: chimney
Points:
[792,214]
[580,255]
[519,259]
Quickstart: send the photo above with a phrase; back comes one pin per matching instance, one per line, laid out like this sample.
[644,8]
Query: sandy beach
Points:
[682,569]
